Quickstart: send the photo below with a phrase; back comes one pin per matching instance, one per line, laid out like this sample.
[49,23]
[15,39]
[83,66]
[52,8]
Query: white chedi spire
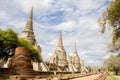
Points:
[75,50]
[28,33]
[60,43]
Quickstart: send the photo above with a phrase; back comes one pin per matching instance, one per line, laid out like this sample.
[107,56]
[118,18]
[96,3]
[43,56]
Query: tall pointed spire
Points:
[75,49]
[60,44]
[29,24]
[28,33]
[61,53]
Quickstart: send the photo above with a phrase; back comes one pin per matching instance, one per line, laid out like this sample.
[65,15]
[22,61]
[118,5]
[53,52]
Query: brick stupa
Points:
[21,62]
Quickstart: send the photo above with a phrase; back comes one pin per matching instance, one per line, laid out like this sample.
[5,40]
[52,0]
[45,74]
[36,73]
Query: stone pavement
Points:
[91,77]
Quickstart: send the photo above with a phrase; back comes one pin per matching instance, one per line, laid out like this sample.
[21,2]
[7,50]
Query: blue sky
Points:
[77,19]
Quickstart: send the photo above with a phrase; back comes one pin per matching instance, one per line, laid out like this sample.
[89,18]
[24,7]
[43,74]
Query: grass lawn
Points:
[113,77]
[117,77]
[4,79]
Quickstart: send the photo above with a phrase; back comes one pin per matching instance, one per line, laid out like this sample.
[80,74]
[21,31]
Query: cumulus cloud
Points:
[65,26]
[4,15]
[40,6]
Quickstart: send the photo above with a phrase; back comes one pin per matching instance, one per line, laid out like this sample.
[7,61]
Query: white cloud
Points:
[53,42]
[65,26]
[40,6]
[4,15]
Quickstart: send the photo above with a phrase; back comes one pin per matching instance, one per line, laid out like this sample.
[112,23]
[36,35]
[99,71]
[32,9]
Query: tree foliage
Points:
[113,63]
[34,52]
[114,47]
[111,19]
[9,40]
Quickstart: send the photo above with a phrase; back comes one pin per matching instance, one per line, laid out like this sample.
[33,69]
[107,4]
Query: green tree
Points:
[8,43]
[34,52]
[89,68]
[9,40]
[113,63]
[111,19]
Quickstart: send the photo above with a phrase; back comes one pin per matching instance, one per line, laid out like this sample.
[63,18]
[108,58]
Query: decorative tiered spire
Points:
[60,44]
[29,24]
[28,33]
[75,49]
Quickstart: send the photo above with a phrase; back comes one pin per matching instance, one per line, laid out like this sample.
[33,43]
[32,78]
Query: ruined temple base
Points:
[21,66]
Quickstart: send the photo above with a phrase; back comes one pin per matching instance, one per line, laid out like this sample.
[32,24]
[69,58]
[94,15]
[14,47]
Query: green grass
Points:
[117,77]
[113,77]
[4,79]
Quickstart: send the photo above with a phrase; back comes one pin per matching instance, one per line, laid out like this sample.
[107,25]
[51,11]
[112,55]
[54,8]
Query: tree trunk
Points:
[116,70]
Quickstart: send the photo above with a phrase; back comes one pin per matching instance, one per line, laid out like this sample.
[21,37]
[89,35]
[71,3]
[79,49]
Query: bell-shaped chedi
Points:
[59,58]
[76,59]
[21,62]
[61,53]
[28,34]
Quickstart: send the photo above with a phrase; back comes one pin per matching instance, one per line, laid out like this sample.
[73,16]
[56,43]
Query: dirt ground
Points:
[91,77]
